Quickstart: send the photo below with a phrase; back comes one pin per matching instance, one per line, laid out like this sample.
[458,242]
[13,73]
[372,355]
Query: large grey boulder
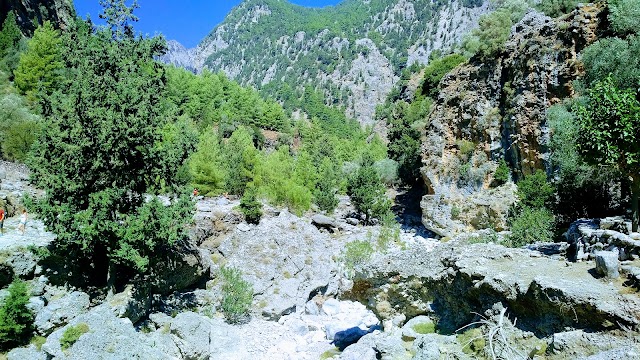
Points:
[60,311]
[323,221]
[193,335]
[607,264]
[108,338]
[28,353]
[287,261]
[456,281]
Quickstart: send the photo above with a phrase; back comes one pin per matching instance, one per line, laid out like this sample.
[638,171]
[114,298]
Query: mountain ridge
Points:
[352,53]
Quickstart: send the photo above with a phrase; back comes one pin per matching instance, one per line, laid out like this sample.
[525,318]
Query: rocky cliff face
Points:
[352,52]
[496,109]
[30,13]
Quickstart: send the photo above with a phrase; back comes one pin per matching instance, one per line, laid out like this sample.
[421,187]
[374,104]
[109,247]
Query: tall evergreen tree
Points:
[103,146]
[10,34]
[367,192]
[40,65]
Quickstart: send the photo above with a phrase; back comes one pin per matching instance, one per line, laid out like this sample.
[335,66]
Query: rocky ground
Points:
[458,298]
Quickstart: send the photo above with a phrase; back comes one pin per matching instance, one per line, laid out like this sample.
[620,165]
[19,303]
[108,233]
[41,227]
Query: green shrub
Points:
[619,58]
[325,192]
[237,295]
[425,328]
[455,212]
[38,341]
[531,226]
[472,341]
[72,334]
[625,16]
[250,206]
[489,236]
[436,70]
[367,192]
[555,8]
[466,147]
[502,174]
[16,320]
[18,127]
[357,252]
[387,170]
[534,191]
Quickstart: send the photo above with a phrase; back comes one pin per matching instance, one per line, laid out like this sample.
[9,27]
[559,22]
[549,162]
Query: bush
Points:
[250,206]
[530,226]
[619,58]
[367,192]
[357,252]
[502,174]
[18,127]
[555,8]
[16,320]
[436,70]
[237,295]
[625,16]
[387,170]
[534,191]
[72,334]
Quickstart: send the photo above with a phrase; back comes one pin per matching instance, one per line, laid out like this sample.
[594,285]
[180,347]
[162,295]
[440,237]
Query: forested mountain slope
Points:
[30,13]
[352,53]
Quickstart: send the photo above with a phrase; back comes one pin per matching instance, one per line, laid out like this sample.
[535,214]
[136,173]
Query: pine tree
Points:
[104,145]
[40,65]
[10,34]
[325,194]
[16,320]
[367,192]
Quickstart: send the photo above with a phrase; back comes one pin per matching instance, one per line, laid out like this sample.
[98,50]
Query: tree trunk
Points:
[111,278]
[635,192]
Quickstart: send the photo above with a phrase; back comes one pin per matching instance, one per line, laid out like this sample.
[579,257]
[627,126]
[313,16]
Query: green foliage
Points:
[455,212]
[531,225]
[619,58]
[367,192]
[72,334]
[492,32]
[534,191]
[357,252]
[583,190]
[212,99]
[105,143]
[625,16]
[325,192]
[10,34]
[425,328]
[503,173]
[436,70]
[206,165]
[610,126]
[387,171]
[240,157]
[19,127]
[250,206]
[237,295]
[404,135]
[555,8]
[41,64]
[472,340]
[16,319]
[494,28]
[285,181]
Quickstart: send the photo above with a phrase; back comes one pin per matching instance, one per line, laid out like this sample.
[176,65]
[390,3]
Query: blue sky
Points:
[187,21]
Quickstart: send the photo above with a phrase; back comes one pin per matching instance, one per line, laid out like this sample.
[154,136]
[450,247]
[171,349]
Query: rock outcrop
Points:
[454,282]
[495,108]
[30,13]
